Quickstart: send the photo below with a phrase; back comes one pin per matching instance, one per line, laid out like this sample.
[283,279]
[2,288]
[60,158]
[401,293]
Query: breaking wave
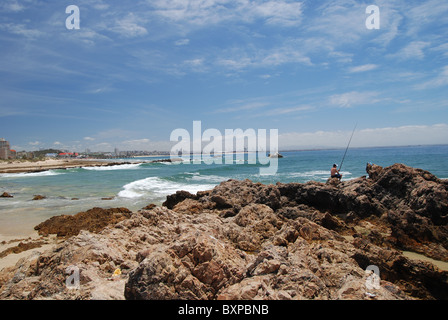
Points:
[115,167]
[158,187]
[31,174]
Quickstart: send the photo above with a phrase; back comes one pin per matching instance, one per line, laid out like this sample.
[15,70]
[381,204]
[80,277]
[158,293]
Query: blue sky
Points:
[136,70]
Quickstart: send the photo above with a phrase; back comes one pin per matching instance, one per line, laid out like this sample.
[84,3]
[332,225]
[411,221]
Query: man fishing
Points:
[335,172]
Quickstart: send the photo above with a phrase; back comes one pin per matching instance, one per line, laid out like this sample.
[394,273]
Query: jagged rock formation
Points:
[245,240]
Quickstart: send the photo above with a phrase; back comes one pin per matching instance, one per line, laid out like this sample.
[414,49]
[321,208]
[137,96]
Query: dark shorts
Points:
[337,175]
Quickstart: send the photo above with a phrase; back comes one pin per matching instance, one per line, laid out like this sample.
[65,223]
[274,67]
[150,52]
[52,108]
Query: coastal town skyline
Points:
[126,75]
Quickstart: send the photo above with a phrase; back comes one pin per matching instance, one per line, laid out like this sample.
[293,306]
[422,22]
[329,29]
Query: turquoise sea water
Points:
[138,184]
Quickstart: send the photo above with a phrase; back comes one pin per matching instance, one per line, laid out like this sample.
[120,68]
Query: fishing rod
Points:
[340,167]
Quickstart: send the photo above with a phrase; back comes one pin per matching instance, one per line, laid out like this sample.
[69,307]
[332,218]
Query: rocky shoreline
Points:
[246,240]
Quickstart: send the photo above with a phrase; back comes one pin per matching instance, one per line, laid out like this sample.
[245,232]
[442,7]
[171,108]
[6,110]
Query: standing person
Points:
[335,172]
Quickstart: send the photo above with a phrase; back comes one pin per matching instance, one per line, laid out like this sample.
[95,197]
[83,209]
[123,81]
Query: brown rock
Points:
[6,195]
[22,246]
[179,196]
[149,206]
[189,206]
[93,220]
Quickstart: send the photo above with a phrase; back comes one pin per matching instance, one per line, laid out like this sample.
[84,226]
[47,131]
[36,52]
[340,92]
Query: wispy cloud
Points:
[182,42]
[239,59]
[12,6]
[278,12]
[213,12]
[353,99]
[369,137]
[243,107]
[414,50]
[130,26]
[289,110]
[341,22]
[363,68]
[137,141]
[440,80]
[423,13]
[21,29]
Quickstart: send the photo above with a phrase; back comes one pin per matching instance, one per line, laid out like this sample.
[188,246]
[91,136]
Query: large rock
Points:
[403,200]
[246,240]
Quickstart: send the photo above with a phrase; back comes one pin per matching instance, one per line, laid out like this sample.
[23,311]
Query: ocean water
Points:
[136,185]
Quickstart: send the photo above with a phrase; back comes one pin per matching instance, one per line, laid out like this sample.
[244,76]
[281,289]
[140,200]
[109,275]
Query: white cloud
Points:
[363,68]
[194,62]
[342,22]
[12,6]
[244,107]
[369,137]
[238,59]
[34,143]
[443,48]
[391,20]
[353,99]
[20,29]
[212,12]
[414,50]
[235,63]
[96,4]
[423,13]
[341,57]
[439,81]
[130,26]
[182,42]
[136,141]
[289,110]
[89,138]
[278,12]
[88,36]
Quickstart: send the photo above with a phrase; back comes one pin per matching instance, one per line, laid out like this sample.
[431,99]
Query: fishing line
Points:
[340,167]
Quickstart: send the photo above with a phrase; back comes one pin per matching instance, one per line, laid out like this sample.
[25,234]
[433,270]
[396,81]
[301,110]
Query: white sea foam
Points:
[30,174]
[115,167]
[159,187]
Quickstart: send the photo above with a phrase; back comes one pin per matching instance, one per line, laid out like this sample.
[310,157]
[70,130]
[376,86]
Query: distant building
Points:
[51,155]
[68,154]
[24,155]
[4,149]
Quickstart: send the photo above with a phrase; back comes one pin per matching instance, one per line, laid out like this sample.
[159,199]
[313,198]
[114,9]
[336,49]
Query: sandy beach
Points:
[23,247]
[49,164]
